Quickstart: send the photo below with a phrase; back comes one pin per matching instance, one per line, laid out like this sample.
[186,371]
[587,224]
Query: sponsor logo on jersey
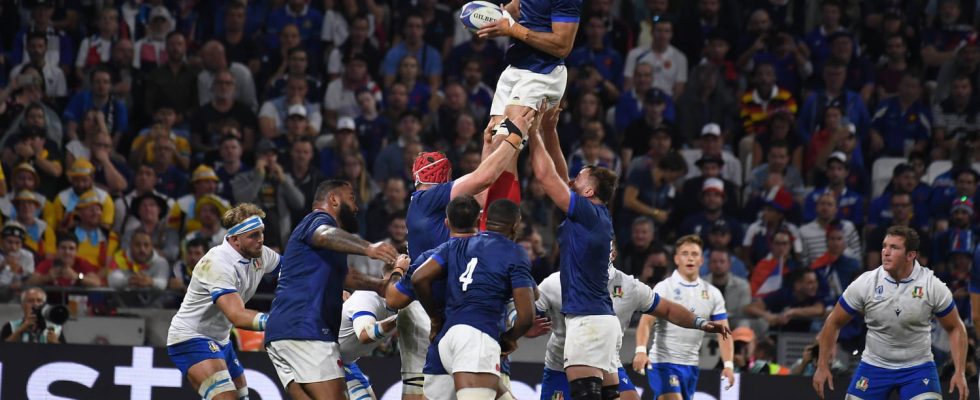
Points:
[213,347]
[862,384]
[917,292]
[617,291]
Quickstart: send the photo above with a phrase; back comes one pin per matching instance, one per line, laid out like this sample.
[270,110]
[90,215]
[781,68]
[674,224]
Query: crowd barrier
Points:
[62,372]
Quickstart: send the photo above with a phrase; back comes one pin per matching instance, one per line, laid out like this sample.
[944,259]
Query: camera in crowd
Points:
[56,314]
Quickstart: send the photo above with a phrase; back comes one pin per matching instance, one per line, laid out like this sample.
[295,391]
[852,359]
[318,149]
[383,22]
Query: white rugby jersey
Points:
[222,270]
[898,314]
[629,295]
[674,344]
[413,337]
[360,304]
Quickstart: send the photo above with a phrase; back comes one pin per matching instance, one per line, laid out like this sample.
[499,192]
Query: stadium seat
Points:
[881,173]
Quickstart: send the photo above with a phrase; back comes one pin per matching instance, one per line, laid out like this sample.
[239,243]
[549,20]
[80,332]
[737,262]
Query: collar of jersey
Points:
[680,280]
[913,276]
[232,252]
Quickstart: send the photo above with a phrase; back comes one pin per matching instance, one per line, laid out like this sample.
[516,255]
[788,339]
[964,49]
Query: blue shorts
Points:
[357,383]
[555,382]
[870,382]
[673,378]
[189,352]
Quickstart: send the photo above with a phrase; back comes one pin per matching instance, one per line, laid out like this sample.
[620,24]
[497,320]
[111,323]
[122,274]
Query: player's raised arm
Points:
[958,346]
[339,240]
[827,340]
[233,307]
[544,170]
[680,316]
[549,133]
[490,168]
[557,43]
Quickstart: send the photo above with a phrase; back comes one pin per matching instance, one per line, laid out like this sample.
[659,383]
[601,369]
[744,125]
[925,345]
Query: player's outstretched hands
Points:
[549,116]
[541,326]
[641,361]
[382,251]
[729,376]
[958,382]
[402,263]
[821,378]
[714,327]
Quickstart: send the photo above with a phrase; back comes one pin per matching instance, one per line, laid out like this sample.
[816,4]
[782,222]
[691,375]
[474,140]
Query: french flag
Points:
[767,277]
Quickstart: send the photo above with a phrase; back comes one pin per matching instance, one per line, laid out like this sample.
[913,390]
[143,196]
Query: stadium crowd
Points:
[128,128]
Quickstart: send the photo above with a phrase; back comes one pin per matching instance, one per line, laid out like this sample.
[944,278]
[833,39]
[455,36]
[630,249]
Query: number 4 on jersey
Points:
[467,276]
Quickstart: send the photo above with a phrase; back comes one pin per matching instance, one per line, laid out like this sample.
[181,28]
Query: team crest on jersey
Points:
[674,381]
[879,291]
[213,347]
[617,291]
[558,396]
[257,263]
[704,294]
[862,384]
[925,381]
[677,294]
[917,292]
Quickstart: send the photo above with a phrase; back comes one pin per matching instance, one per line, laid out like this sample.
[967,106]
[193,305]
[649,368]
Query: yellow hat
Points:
[89,198]
[27,195]
[213,200]
[81,167]
[204,172]
[24,166]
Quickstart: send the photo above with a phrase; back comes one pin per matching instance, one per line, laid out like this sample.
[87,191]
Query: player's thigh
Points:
[308,362]
[296,392]
[587,344]
[629,395]
[502,94]
[533,87]
[920,383]
[326,390]
[665,380]
[669,396]
[466,349]
[439,387]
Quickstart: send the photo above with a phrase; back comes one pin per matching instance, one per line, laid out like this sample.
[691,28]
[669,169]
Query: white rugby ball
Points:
[477,14]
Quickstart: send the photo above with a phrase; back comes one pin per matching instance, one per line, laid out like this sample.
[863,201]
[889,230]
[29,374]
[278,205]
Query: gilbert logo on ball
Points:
[477,14]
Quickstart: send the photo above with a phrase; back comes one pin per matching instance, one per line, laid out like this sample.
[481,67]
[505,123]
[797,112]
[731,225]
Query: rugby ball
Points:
[477,14]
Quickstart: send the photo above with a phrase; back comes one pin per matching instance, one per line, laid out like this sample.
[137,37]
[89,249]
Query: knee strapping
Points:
[586,388]
[243,393]
[476,394]
[610,392]
[219,382]
[412,383]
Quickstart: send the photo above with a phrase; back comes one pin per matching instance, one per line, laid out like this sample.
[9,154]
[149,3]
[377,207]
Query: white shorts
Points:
[306,361]
[439,387]
[525,88]
[413,338]
[466,349]
[592,340]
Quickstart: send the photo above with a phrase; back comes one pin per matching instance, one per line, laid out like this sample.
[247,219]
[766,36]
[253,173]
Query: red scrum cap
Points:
[431,168]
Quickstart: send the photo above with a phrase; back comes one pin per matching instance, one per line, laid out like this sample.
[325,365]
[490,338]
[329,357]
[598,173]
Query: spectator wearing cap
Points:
[902,123]
[430,62]
[174,82]
[814,234]
[297,126]
[818,40]
[849,205]
[65,268]
[643,103]
[298,13]
[36,50]
[763,100]
[344,142]
[60,51]
[208,209]
[269,187]
[776,172]
[183,216]
[183,270]
[957,116]
[144,182]
[831,132]
[705,100]
[650,192]
[360,42]
[669,63]
[720,238]
[24,178]
[734,288]
[39,237]
[901,210]
[16,261]
[962,232]
[213,61]
[712,200]
[98,96]
[274,112]
[833,92]
[904,180]
[207,121]
[633,255]
[96,244]
[149,215]
[712,144]
[60,213]
[490,58]
[138,266]
[32,147]
[941,40]
[711,167]
[964,188]
[297,64]
[760,235]
[743,339]
[151,49]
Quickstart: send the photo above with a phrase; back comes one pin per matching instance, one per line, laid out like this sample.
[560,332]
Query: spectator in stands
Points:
[541,265]
[151,51]
[696,27]
[650,192]
[344,142]
[23,106]
[24,178]
[956,116]
[213,61]
[297,13]
[944,200]
[860,72]
[31,146]
[776,172]
[174,82]
[706,100]
[849,205]
[340,98]
[81,176]
[392,200]
[894,64]
[690,197]
[594,50]
[833,92]
[17,262]
[957,274]
[209,209]
[838,266]
[149,216]
[669,63]
[902,123]
[396,234]
[593,152]
[241,48]
[462,138]
[144,182]
[273,61]
[60,51]
[26,329]
[815,233]
[274,112]
[832,131]
[359,43]
[171,179]
[762,233]
[902,214]
[430,62]
[138,266]
[65,269]
[372,127]
[355,171]
[966,63]
[184,269]
[720,238]
[712,144]
[269,187]
[164,120]
[940,41]
[98,96]
[306,176]
[391,159]
[39,237]
[204,181]
[903,181]
[230,163]
[96,244]
[818,40]
[490,58]
[123,72]
[787,54]
[793,308]
[420,97]
[297,126]
[718,45]
[641,246]
[744,343]
[297,64]
[55,85]
[207,121]
[444,118]
[638,103]
[587,108]
[758,105]
[478,91]
[735,289]
[961,232]
[712,199]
